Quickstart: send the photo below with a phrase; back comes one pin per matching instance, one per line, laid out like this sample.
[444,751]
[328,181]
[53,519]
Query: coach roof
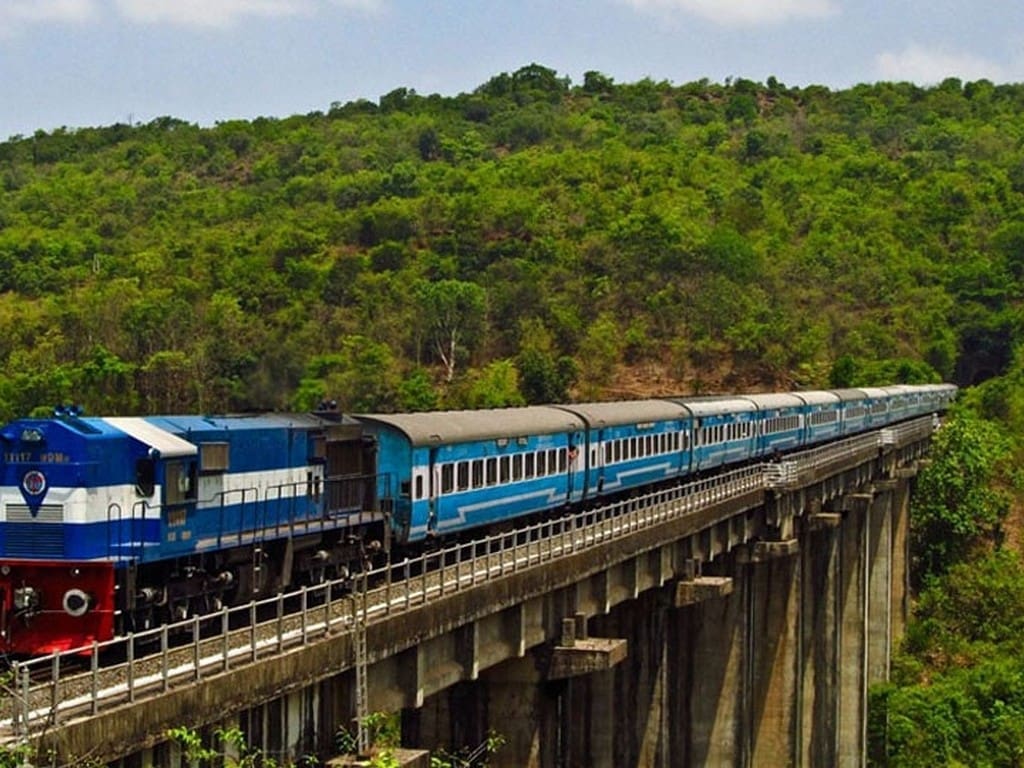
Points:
[444,427]
[627,412]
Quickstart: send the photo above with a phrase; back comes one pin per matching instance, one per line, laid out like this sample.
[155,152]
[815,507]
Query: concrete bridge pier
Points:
[818,652]
[771,657]
[554,706]
[707,644]
[853,630]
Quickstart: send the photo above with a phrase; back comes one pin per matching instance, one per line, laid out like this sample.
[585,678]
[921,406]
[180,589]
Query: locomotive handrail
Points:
[413,582]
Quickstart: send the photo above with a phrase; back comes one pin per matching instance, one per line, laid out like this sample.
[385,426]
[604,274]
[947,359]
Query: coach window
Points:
[492,471]
[505,475]
[462,475]
[517,467]
[528,469]
[478,473]
[419,486]
[447,478]
[541,463]
[553,454]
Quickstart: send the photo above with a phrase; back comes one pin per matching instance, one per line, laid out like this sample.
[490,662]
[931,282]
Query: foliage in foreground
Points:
[957,694]
[958,503]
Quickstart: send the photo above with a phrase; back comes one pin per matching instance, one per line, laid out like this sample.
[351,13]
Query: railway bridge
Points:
[737,620]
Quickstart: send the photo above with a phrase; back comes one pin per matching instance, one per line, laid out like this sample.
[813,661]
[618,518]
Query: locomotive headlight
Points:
[26,599]
[76,602]
[5,570]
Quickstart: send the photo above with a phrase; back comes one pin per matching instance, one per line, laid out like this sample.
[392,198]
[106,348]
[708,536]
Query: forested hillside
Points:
[532,240]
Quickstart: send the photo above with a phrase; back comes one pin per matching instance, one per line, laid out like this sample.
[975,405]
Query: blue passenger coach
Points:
[633,443]
[456,470]
[822,417]
[724,430]
[782,418]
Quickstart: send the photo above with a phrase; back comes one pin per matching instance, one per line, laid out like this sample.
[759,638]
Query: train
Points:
[110,525]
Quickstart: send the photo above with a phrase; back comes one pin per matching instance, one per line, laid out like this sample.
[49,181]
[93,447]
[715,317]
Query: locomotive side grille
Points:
[39,536]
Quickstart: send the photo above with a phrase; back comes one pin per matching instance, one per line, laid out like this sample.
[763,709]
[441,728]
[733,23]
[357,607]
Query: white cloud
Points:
[223,13]
[925,66]
[15,14]
[207,13]
[742,12]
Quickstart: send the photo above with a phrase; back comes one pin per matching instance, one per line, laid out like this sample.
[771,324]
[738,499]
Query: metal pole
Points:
[359,606]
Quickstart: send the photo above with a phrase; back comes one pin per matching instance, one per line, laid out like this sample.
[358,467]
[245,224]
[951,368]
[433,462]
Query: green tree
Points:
[600,353]
[956,504]
[362,376]
[452,313]
[494,386]
[416,392]
[544,376]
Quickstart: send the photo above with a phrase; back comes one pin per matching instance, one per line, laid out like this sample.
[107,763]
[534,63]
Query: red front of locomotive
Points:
[47,607]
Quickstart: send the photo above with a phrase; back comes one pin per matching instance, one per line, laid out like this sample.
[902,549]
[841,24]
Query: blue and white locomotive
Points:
[109,525]
[114,524]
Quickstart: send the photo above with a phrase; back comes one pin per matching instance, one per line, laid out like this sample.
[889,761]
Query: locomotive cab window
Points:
[145,476]
[179,485]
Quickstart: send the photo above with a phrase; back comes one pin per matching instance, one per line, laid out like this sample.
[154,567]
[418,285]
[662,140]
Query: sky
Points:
[79,63]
